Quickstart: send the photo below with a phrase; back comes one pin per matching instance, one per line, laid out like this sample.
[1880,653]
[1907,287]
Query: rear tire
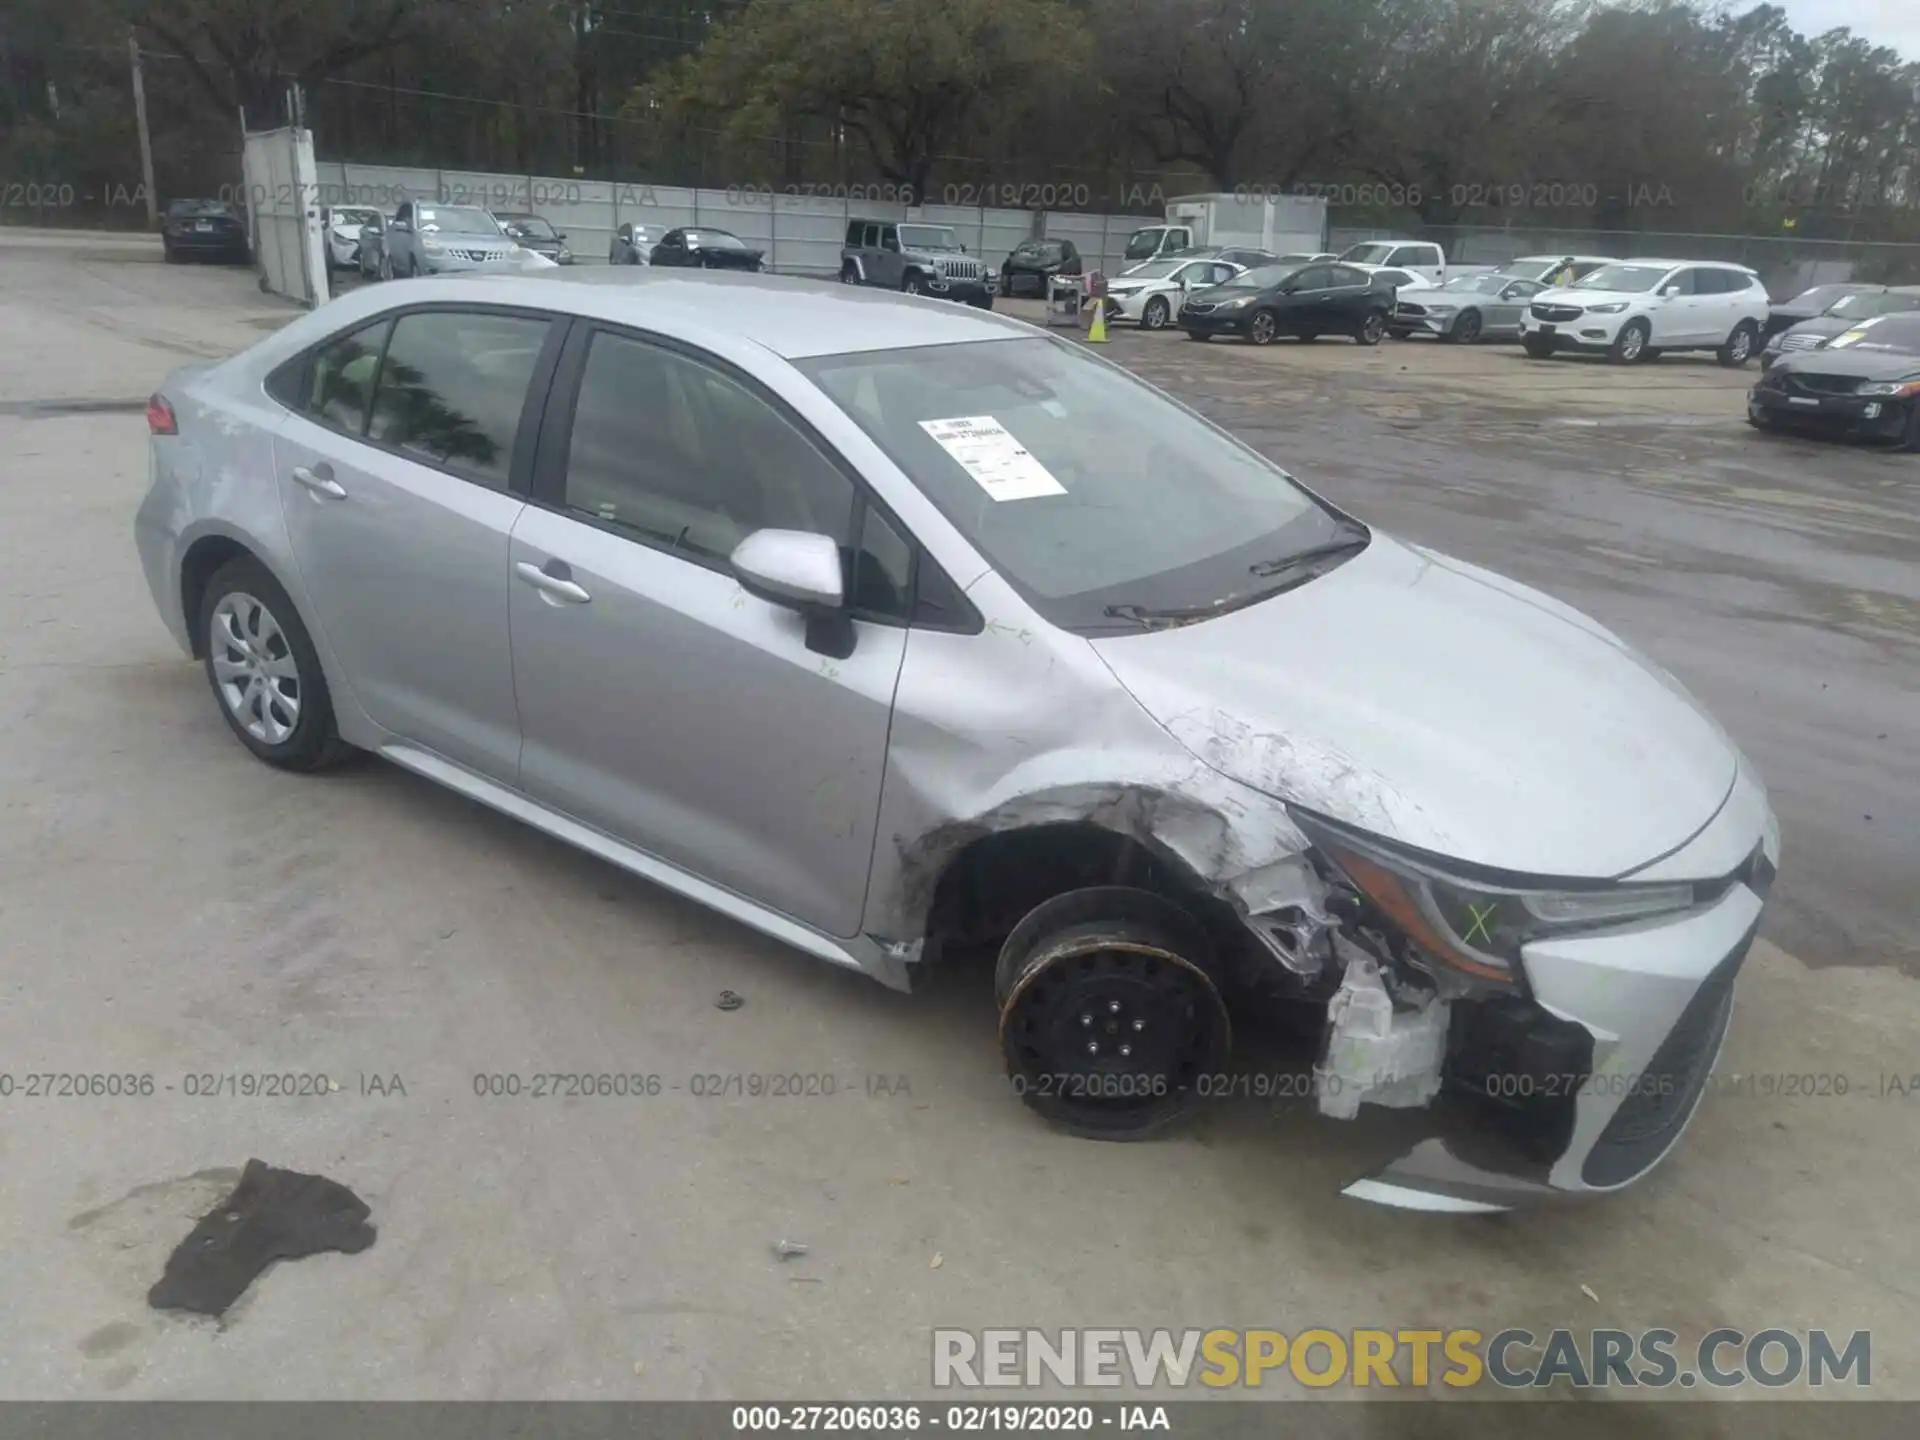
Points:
[1739,347]
[1110,1012]
[263,669]
[1372,330]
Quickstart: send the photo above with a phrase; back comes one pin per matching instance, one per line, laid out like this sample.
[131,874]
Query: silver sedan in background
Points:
[896,630]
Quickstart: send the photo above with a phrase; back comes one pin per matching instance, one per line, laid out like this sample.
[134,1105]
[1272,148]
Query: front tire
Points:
[848,274]
[264,671]
[1630,345]
[1536,348]
[1739,347]
[1262,327]
[1111,1016]
[1466,329]
[1157,314]
[913,284]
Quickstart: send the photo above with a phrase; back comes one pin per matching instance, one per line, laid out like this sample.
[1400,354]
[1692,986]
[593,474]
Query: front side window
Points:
[1082,485]
[452,388]
[683,456]
[1314,277]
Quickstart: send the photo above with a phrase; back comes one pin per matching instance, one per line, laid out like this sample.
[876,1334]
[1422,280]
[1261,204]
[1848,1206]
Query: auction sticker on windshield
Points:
[1003,467]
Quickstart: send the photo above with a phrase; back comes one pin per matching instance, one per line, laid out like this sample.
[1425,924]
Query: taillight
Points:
[160,419]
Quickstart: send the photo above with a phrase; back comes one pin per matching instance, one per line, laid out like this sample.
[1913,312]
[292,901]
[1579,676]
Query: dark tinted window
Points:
[882,582]
[1686,281]
[1713,282]
[683,455]
[341,379]
[1314,277]
[452,388]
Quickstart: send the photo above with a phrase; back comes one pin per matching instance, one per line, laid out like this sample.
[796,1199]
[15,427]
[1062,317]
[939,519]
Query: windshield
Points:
[1082,485]
[1821,299]
[1622,277]
[1158,270]
[1899,333]
[352,217]
[1478,284]
[928,237]
[717,239]
[460,219]
[531,225]
[1142,243]
[1858,306]
[1373,252]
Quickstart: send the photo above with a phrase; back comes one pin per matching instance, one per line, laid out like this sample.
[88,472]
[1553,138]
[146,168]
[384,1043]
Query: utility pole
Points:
[146,140]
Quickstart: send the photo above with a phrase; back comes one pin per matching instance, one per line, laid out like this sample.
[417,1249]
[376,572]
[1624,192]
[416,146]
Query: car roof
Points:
[792,316]
[1556,259]
[1655,260]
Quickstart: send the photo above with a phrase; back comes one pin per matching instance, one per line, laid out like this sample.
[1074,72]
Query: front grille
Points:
[1556,314]
[1405,309]
[1668,1090]
[1198,307]
[1824,384]
[478,254]
[1800,342]
[963,269]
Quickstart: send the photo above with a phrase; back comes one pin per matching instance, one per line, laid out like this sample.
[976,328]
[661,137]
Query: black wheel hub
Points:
[1112,1039]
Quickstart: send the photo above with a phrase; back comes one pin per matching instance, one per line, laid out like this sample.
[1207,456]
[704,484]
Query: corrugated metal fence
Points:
[801,233]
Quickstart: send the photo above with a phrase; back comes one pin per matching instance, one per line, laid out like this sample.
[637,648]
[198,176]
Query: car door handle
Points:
[559,587]
[319,479]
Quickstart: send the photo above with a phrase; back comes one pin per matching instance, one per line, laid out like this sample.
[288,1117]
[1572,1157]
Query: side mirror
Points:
[1670,292]
[799,571]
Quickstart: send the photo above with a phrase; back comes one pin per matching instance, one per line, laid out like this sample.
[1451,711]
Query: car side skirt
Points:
[885,964]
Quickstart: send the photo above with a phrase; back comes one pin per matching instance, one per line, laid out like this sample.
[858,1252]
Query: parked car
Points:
[1465,309]
[1305,301]
[1864,382]
[1548,270]
[1394,278]
[1246,257]
[1809,303]
[1421,256]
[1034,263]
[1842,315]
[370,247]
[428,238]
[1149,295]
[632,244]
[920,259]
[202,228]
[1639,309]
[701,247]
[891,631]
[341,224]
[535,233]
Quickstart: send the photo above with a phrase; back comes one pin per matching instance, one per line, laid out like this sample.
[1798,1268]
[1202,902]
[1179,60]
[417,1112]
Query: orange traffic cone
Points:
[1097,331]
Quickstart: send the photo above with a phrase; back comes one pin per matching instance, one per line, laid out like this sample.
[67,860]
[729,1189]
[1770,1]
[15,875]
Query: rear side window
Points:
[1687,282]
[452,388]
[1712,282]
[341,386]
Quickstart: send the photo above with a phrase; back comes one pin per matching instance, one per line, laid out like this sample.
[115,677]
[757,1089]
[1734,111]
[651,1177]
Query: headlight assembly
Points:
[1235,304]
[1474,928]
[1612,307]
[1888,387]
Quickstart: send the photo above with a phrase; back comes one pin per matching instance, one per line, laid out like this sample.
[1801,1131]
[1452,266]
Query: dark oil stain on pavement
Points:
[271,1215]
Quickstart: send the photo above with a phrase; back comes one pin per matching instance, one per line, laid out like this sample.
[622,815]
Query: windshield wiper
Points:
[1311,553]
[1148,617]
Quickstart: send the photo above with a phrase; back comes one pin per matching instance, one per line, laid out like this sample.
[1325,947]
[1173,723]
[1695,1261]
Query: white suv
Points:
[1637,309]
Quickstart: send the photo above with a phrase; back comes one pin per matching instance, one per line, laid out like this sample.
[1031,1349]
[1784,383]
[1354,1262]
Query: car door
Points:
[1350,296]
[1675,315]
[1725,301]
[1502,310]
[1300,306]
[672,249]
[400,239]
[661,703]
[889,265]
[397,473]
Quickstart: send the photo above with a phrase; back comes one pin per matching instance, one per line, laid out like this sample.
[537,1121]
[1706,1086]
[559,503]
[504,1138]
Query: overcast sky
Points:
[1884,22]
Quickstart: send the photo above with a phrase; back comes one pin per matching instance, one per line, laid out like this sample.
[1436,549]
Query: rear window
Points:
[201,207]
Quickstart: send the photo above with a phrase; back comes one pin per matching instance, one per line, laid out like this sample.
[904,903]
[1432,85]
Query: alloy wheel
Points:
[1261,328]
[254,668]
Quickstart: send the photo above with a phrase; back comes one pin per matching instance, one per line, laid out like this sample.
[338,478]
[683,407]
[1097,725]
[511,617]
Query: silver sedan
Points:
[892,628]
[1465,309]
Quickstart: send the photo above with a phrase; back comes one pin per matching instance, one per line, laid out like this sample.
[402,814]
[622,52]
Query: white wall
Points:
[802,234]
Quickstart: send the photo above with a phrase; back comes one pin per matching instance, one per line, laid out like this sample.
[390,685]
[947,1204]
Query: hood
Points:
[1444,707]
[1563,295]
[1860,360]
[1824,326]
